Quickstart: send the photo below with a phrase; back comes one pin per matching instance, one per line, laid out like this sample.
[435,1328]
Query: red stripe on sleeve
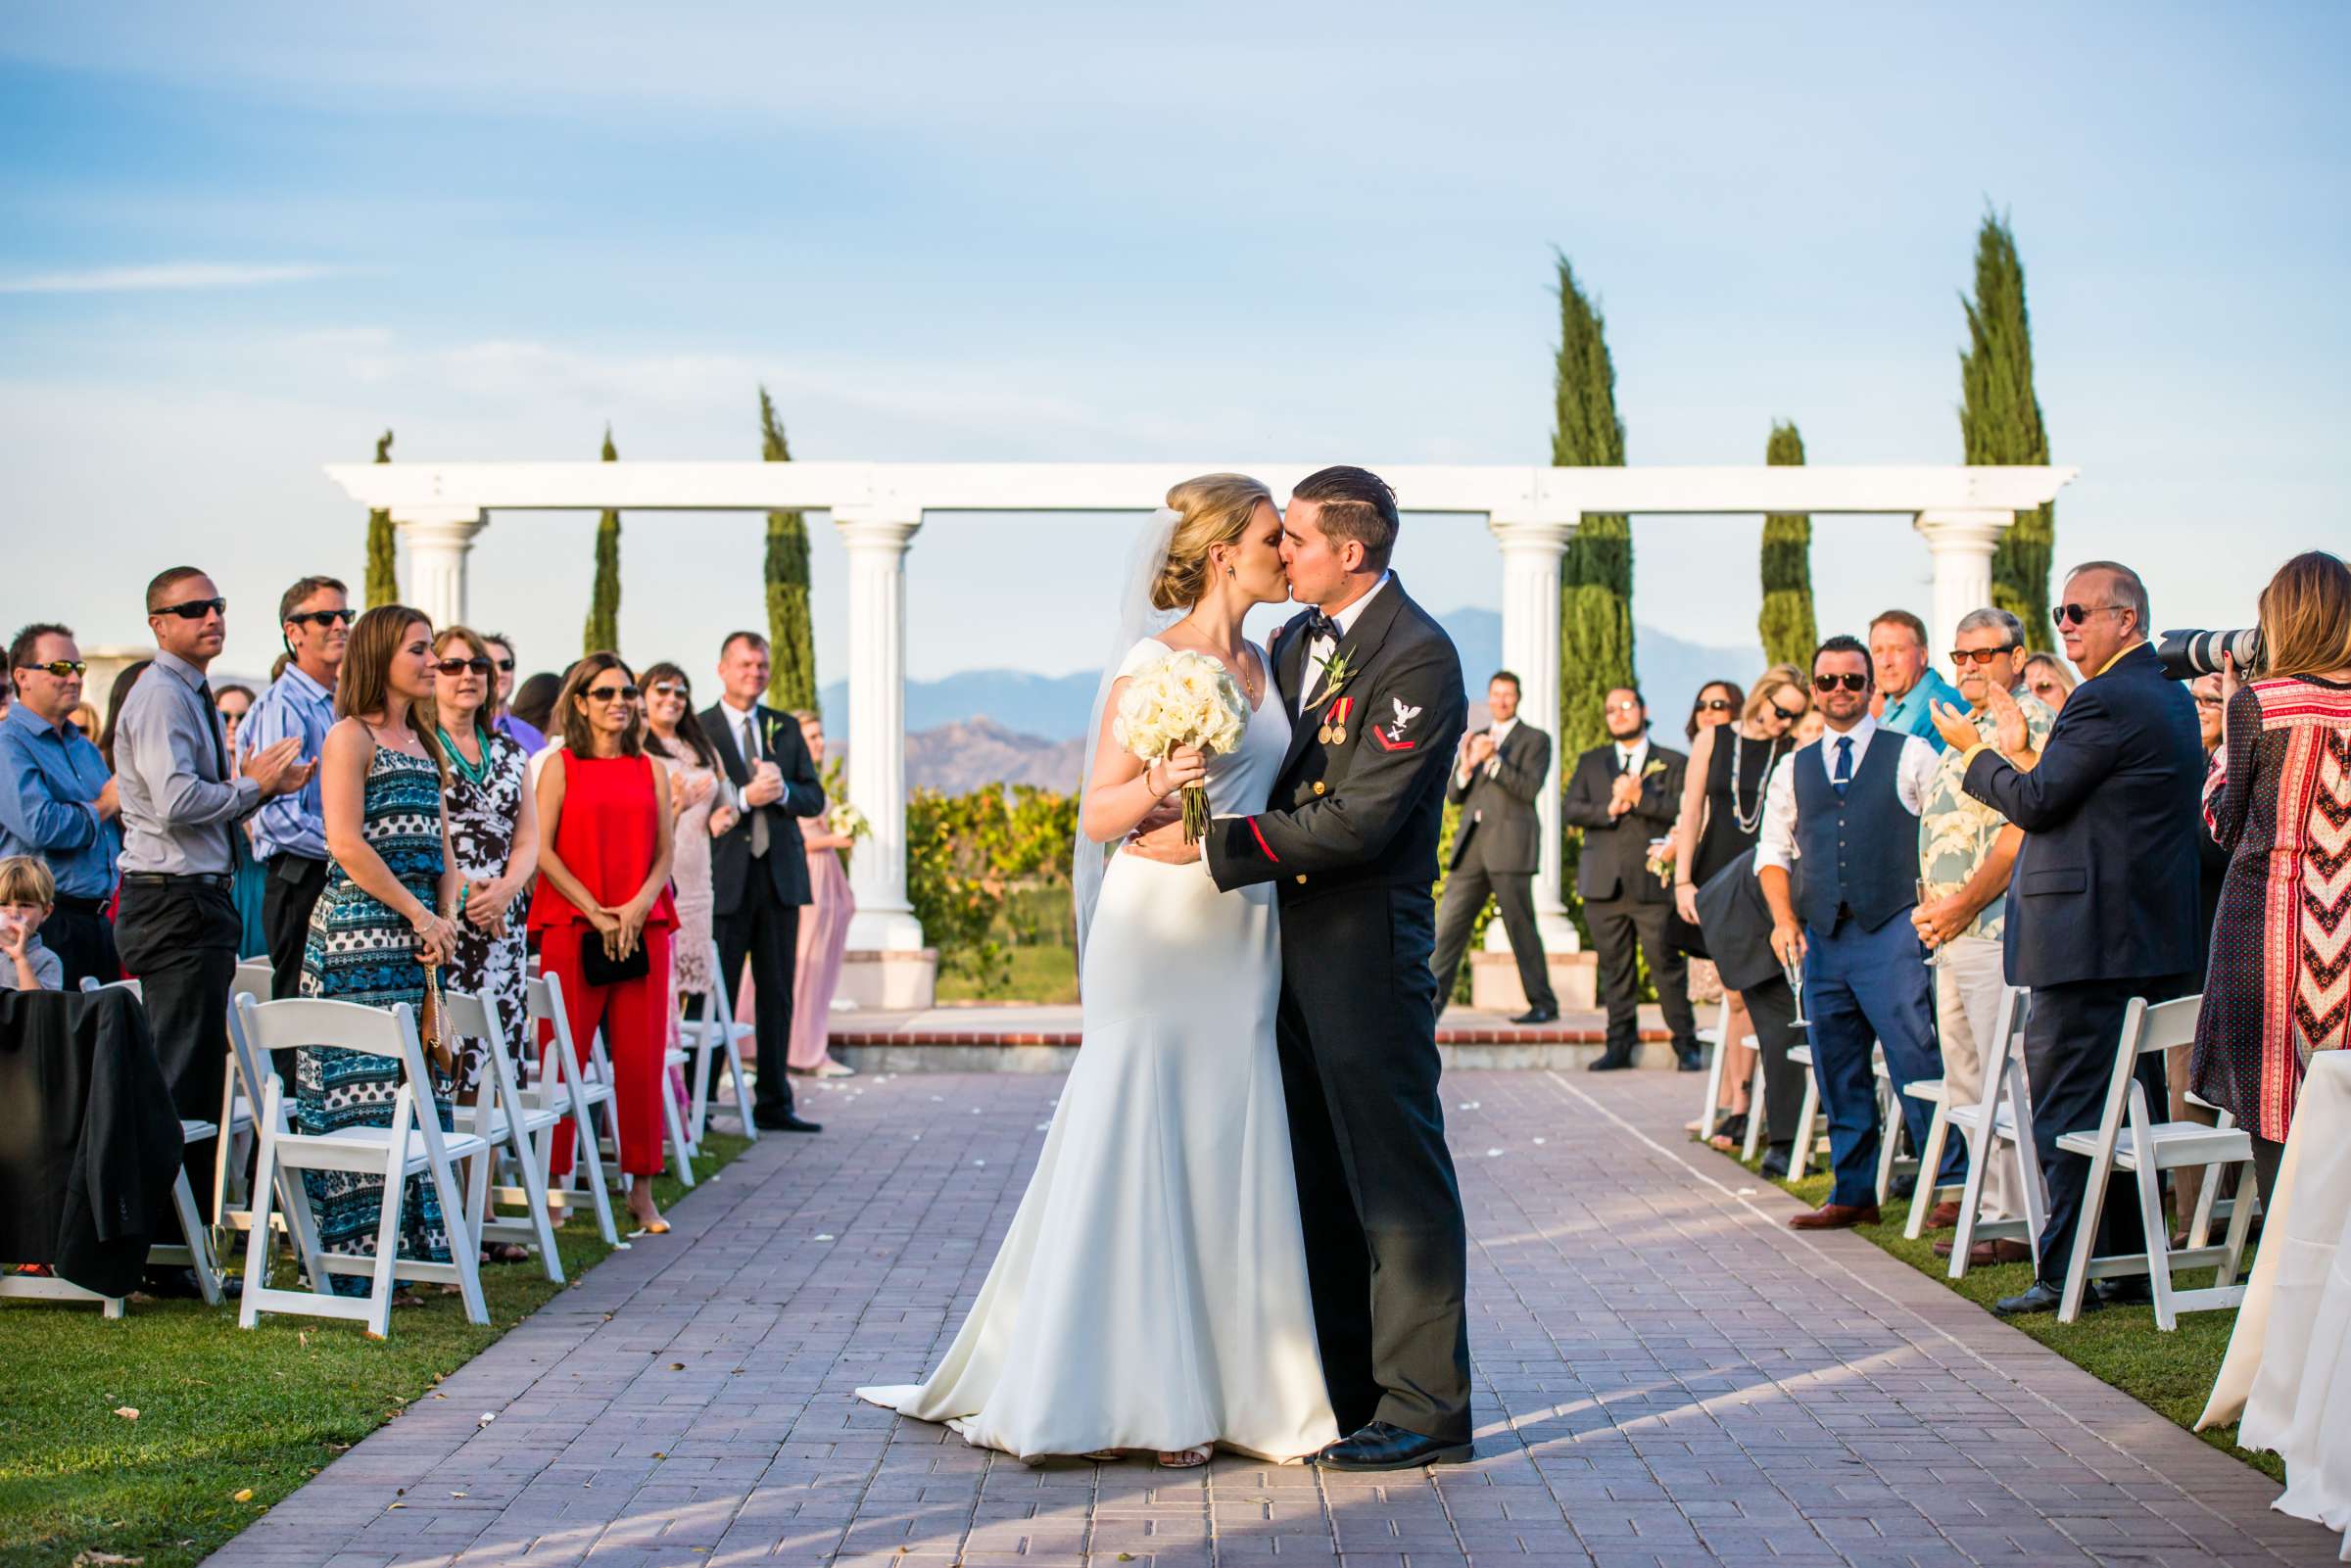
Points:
[1261,842]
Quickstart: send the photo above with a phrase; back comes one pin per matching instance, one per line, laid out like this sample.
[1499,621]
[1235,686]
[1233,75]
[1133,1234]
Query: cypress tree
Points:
[1999,417]
[1596,578]
[383,559]
[791,681]
[1786,623]
[603,631]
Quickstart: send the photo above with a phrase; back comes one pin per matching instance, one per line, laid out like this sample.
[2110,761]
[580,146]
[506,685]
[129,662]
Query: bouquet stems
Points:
[1195,813]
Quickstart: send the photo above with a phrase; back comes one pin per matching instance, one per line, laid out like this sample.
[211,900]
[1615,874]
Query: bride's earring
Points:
[1228,572]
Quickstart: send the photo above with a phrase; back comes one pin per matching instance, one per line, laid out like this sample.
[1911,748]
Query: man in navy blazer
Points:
[2102,907]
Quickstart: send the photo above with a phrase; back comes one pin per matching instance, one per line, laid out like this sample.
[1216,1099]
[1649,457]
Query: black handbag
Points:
[598,967]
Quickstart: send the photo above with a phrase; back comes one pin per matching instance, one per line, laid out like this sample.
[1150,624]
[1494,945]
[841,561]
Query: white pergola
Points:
[878,508]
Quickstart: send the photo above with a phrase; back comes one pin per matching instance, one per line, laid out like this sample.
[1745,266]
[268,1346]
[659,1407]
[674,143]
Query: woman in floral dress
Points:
[700,808]
[494,838]
[389,878]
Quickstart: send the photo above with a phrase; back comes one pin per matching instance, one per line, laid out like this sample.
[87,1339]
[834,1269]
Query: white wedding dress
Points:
[1152,1291]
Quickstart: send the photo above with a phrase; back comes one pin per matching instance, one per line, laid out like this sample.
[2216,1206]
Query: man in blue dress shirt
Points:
[289,832]
[57,800]
[1906,680]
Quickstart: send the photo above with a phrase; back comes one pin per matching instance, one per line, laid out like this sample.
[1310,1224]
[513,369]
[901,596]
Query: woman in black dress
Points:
[1722,814]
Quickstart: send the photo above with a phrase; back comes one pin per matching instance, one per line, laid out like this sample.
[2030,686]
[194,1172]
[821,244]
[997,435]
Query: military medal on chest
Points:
[1334,727]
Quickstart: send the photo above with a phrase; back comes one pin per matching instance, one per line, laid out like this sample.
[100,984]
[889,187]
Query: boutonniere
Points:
[1653,769]
[767,734]
[1335,676]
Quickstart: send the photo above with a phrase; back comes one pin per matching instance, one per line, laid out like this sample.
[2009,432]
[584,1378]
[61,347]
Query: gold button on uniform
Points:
[1318,786]
[1302,876]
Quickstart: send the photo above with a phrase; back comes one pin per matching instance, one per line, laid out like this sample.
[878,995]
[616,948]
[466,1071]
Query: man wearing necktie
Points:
[1622,795]
[759,870]
[1847,806]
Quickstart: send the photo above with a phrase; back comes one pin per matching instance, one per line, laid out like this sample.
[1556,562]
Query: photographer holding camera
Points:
[2280,803]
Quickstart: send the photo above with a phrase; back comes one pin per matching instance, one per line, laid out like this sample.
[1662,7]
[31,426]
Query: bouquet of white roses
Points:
[847,821]
[1185,700]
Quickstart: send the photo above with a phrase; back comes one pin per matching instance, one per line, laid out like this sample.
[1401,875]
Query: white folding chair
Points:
[254,978]
[1754,1102]
[2131,1140]
[411,1144]
[510,1127]
[673,1119]
[1892,1163]
[1807,1116]
[1717,1041]
[712,1034]
[564,1088]
[195,1248]
[1998,1127]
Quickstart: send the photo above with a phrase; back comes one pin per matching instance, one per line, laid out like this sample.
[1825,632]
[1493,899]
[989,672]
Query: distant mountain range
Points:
[982,726]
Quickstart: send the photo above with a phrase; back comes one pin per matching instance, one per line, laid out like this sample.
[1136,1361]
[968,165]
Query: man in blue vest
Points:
[1847,804]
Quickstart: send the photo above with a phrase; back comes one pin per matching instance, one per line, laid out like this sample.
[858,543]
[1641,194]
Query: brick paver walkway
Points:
[1666,1375]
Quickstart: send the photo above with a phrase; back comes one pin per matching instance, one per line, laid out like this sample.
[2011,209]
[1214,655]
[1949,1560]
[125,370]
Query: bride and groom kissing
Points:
[1244,1230]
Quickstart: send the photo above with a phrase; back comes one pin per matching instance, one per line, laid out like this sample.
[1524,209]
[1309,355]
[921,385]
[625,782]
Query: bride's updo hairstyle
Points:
[1211,509]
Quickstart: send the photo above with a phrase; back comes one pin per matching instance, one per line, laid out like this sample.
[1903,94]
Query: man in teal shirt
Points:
[1910,686]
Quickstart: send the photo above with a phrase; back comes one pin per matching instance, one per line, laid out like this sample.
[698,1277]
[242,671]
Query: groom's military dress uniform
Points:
[1350,840]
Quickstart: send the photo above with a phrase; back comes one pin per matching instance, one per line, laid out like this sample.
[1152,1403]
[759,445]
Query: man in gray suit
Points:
[1497,777]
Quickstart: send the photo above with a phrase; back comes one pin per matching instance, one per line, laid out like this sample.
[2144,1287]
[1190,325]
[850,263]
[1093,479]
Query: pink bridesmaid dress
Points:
[824,939]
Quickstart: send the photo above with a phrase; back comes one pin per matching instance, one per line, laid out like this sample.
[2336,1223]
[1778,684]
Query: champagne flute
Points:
[1794,968]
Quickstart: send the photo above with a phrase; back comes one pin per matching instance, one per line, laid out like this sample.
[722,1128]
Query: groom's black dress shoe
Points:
[1538,1015]
[1382,1447]
[1610,1061]
[2043,1297]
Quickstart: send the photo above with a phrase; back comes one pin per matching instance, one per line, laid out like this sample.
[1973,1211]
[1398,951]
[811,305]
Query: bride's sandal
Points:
[1188,1458]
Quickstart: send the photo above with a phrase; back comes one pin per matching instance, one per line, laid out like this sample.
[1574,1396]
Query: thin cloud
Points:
[166,275]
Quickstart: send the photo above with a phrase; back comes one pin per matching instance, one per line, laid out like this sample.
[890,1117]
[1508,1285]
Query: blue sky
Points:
[235,243]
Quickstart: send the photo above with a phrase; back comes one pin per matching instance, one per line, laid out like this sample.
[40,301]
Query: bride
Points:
[1151,1294]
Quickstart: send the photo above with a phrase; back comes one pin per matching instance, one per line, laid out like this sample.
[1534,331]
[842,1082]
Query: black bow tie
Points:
[1321,625]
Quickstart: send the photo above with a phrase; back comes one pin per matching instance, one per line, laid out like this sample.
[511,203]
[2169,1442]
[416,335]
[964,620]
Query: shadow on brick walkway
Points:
[1666,1375]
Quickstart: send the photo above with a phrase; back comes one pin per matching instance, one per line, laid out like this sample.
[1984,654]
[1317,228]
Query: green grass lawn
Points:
[222,1411]
[1040,973]
[2173,1373]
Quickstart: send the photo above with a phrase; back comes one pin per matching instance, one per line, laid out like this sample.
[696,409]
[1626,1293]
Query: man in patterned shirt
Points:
[1966,851]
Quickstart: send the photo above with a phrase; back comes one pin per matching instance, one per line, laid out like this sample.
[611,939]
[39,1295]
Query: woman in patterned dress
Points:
[2279,984]
[494,839]
[389,878]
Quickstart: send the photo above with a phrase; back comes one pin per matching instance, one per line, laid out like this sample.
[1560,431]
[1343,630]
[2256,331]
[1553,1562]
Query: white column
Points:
[1960,543]
[437,541]
[1531,549]
[877,542]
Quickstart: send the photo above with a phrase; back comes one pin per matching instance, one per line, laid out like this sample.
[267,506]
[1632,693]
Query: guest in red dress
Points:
[603,907]
[2280,986]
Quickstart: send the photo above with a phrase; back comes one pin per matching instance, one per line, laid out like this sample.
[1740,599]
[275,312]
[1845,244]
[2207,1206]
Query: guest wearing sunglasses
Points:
[56,803]
[2048,678]
[1718,704]
[289,833]
[500,707]
[2105,905]
[603,909]
[493,840]
[1966,852]
[1907,685]
[1722,813]
[1849,805]
[177,928]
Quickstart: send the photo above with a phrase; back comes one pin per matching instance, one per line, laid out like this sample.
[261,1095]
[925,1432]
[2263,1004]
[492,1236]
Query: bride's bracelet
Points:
[1155,790]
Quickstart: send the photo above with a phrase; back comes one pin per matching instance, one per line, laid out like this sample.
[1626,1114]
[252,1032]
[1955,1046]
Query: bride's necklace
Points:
[1253,689]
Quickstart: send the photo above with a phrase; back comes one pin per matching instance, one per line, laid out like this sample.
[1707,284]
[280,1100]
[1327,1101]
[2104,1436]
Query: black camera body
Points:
[2187,654]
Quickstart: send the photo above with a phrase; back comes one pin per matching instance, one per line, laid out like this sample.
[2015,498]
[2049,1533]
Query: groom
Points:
[1350,838]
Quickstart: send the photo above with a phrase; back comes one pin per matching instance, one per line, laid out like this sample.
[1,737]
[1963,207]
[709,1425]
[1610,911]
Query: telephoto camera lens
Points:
[2187,655]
